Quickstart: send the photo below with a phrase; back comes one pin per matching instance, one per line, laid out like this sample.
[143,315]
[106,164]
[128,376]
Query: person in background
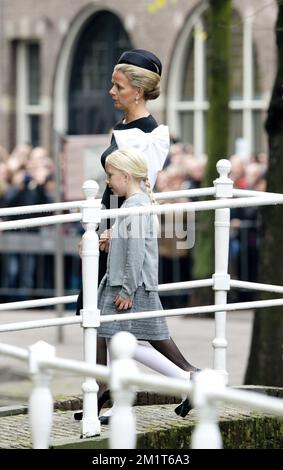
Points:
[24,190]
[237,173]
[245,233]
[175,260]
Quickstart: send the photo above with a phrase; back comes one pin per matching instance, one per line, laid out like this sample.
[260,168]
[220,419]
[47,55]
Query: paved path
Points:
[15,430]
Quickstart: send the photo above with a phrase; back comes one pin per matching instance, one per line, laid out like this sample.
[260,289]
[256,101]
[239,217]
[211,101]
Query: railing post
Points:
[90,425]
[206,434]
[40,402]
[221,278]
[123,421]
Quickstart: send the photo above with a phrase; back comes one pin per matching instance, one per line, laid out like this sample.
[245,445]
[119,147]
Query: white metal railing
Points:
[161,209]
[60,206]
[91,215]
[68,299]
[174,312]
[207,392]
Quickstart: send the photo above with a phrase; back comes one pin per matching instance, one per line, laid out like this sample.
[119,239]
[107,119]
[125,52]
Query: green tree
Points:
[219,47]
[265,364]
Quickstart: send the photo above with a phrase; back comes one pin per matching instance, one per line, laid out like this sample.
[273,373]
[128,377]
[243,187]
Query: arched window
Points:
[99,46]
[188,103]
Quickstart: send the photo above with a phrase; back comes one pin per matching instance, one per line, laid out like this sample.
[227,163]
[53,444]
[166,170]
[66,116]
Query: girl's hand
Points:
[104,240]
[123,303]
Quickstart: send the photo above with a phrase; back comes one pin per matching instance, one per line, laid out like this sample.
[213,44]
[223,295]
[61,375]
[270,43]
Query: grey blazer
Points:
[133,253]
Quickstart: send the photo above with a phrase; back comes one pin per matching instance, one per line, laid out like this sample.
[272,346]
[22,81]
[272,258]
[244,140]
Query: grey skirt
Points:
[143,329]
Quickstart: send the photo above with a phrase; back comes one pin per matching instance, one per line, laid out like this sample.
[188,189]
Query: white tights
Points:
[153,359]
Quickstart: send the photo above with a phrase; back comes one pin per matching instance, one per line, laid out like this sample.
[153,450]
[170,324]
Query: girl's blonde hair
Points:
[134,164]
[141,78]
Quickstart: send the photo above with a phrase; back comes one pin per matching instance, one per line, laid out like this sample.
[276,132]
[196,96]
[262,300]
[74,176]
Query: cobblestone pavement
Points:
[15,430]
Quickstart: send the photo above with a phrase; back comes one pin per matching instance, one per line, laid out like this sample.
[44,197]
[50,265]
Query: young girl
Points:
[131,280]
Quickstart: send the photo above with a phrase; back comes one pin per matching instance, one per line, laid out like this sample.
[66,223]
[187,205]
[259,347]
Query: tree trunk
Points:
[265,364]
[219,40]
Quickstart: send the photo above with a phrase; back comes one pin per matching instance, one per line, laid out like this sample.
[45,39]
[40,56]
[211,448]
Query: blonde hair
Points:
[134,164]
[141,78]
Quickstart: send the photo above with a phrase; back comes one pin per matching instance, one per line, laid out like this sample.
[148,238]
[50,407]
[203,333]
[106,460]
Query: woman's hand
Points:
[104,240]
[123,303]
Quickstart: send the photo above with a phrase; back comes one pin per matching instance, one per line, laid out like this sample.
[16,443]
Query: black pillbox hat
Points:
[141,58]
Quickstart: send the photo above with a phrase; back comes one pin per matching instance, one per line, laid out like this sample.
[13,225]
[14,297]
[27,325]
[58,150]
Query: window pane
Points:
[205,38]
[236,129]
[260,138]
[205,118]
[34,122]
[33,73]
[188,90]
[236,57]
[187,127]
[256,76]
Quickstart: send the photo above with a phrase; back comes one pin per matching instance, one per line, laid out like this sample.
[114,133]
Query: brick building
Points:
[56,60]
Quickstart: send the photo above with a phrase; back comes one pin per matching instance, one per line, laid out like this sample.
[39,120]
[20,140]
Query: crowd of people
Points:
[184,170]
[27,177]
[246,222]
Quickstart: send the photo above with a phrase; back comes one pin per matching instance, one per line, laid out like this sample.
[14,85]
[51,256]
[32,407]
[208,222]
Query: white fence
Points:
[207,391]
[121,385]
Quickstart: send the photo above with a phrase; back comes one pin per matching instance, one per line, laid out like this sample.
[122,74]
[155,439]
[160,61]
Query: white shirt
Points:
[154,146]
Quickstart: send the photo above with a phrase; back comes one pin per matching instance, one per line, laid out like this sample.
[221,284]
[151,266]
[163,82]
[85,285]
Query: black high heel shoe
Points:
[78,416]
[184,408]
[103,399]
[104,420]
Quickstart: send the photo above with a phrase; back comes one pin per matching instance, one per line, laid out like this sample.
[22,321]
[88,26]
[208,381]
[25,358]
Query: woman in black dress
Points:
[135,80]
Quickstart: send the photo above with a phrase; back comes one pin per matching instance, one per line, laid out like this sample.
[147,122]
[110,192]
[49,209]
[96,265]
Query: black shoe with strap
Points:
[185,406]
[104,420]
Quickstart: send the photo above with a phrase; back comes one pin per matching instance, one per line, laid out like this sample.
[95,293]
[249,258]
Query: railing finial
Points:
[206,434]
[40,402]
[123,345]
[223,167]
[39,350]
[223,184]
[90,189]
[123,422]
